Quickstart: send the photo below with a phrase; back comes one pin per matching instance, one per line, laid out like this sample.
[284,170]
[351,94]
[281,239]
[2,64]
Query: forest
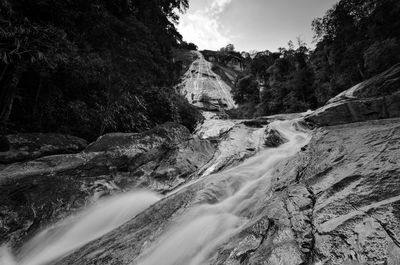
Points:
[88,67]
[355,40]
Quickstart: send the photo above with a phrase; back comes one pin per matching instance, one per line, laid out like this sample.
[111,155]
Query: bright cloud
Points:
[218,6]
[202,27]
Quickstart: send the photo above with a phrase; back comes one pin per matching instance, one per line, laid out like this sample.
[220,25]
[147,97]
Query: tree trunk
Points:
[8,91]
[360,70]
[38,91]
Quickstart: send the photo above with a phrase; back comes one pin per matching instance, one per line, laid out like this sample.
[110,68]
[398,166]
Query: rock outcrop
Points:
[336,202]
[36,193]
[376,98]
[339,206]
[352,175]
[205,89]
[274,138]
[28,146]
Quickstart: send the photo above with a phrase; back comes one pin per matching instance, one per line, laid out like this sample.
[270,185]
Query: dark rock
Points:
[36,193]
[4,144]
[169,133]
[257,123]
[274,138]
[376,98]
[26,146]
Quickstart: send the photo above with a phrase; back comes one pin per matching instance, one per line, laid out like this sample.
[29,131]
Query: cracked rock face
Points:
[336,202]
[36,193]
[376,98]
[354,173]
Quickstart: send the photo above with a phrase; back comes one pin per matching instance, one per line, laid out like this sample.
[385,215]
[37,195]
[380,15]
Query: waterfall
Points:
[65,236]
[224,206]
[220,210]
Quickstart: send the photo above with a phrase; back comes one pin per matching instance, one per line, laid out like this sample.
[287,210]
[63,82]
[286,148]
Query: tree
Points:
[356,39]
[228,48]
[381,55]
[189,46]
[88,67]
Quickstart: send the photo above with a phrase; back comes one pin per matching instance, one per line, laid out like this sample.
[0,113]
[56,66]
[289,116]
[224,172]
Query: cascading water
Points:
[224,206]
[64,237]
[221,209]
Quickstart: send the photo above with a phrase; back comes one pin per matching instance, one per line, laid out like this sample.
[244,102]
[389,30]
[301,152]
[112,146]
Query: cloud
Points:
[203,28]
[218,6]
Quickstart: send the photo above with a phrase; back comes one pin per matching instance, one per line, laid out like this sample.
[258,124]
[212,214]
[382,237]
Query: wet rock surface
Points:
[28,146]
[214,126]
[335,202]
[132,241]
[234,146]
[376,98]
[205,89]
[353,173]
[36,193]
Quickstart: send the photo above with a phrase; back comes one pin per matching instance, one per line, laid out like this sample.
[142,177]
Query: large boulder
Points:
[36,193]
[376,98]
[28,146]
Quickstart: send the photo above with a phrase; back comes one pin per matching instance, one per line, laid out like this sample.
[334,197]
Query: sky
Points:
[250,24]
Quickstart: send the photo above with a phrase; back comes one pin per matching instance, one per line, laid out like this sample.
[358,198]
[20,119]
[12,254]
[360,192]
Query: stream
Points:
[219,211]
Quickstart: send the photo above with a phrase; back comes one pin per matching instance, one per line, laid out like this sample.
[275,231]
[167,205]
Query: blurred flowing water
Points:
[220,210]
[65,236]
[225,206]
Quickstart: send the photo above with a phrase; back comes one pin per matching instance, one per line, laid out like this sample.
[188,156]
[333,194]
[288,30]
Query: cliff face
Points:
[265,191]
[205,89]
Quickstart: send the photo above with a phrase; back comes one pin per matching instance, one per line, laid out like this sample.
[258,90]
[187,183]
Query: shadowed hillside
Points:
[90,67]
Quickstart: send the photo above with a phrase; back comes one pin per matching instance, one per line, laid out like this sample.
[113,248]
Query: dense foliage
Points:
[276,83]
[356,39]
[87,67]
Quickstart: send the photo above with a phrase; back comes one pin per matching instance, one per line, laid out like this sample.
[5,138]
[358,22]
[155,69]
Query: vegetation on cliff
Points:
[355,40]
[89,67]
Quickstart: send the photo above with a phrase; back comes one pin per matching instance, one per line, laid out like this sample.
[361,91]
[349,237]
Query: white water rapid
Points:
[99,219]
[224,206]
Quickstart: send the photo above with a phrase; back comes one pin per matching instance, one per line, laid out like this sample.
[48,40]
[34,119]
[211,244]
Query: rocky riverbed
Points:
[316,188]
